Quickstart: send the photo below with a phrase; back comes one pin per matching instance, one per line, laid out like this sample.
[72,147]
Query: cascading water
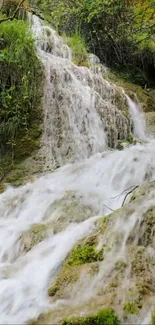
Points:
[89,189]
[138,119]
[81,112]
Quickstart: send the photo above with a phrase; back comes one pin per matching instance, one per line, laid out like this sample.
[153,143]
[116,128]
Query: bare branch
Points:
[109,208]
[114,197]
[128,194]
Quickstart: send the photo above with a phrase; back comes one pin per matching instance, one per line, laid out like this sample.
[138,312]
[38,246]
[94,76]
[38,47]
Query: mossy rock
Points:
[147,228]
[139,262]
[69,209]
[103,224]
[145,97]
[15,177]
[144,230]
[67,277]
[142,191]
[135,296]
[150,122]
[34,236]
[130,308]
[85,254]
[140,269]
[120,265]
[104,317]
[2,188]
[63,285]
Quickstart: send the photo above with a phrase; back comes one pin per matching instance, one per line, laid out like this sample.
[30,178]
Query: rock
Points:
[32,237]
[70,208]
[150,122]
[128,264]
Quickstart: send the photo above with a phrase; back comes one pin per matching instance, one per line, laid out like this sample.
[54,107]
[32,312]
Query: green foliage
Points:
[9,7]
[130,308]
[84,254]
[104,317]
[20,91]
[77,44]
[120,32]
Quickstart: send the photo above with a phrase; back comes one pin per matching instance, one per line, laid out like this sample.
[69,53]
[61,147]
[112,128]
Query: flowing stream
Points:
[95,178]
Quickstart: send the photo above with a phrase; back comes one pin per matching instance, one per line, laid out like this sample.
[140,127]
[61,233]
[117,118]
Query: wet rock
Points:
[32,237]
[67,210]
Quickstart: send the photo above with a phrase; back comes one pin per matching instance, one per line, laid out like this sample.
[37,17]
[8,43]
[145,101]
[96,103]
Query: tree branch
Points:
[14,14]
[109,208]
[128,194]
[1,5]
[114,197]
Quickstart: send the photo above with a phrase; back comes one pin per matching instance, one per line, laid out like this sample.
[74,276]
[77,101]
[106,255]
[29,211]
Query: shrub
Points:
[20,72]
[78,46]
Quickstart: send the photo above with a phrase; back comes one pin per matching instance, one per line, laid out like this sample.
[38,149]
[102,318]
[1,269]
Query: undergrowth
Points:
[78,46]
[20,94]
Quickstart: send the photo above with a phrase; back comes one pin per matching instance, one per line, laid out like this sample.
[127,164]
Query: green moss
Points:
[133,197]
[130,308]
[15,177]
[70,209]
[120,265]
[2,188]
[139,261]
[90,240]
[152,318]
[104,317]
[144,96]
[67,276]
[147,228]
[84,254]
[103,224]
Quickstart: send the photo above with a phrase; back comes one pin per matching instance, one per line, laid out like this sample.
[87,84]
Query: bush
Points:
[20,74]
[77,44]
[120,32]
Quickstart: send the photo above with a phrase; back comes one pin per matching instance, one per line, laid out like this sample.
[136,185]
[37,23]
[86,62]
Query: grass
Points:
[78,46]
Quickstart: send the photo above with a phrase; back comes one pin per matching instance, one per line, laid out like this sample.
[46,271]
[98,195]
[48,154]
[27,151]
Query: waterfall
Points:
[138,119]
[83,111]
[81,116]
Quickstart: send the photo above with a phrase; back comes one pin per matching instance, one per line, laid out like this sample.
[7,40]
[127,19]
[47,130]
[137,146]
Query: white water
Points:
[82,115]
[138,119]
[96,182]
